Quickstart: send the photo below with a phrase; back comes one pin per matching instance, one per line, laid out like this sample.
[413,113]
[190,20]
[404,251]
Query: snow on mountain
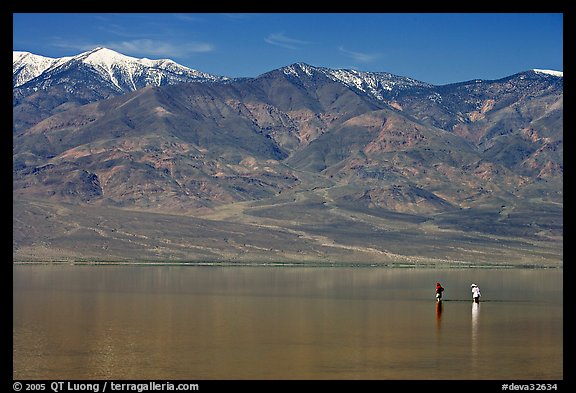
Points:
[375,84]
[295,69]
[27,66]
[125,73]
[106,72]
[550,72]
[126,70]
[379,85]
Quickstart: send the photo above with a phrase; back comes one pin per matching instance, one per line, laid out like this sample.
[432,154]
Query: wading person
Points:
[475,293]
[439,290]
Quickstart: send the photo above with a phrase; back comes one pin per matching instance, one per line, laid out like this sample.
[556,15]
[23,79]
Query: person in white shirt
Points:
[475,293]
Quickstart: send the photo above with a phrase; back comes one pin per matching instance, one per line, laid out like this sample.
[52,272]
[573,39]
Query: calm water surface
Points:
[168,322]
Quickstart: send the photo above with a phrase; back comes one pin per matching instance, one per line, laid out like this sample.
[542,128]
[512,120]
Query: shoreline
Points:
[362,265]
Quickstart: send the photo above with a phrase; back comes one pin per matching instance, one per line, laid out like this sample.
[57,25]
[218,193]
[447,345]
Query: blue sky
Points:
[431,47]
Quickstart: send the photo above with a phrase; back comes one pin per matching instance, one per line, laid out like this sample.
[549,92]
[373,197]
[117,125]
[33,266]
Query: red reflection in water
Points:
[438,314]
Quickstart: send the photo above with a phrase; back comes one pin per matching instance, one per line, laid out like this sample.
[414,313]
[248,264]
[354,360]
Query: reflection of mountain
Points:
[319,163]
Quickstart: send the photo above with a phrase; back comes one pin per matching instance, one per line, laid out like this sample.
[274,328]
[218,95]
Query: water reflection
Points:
[475,318]
[438,316]
[281,323]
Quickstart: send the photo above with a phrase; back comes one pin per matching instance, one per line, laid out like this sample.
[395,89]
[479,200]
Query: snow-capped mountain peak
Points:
[296,69]
[122,73]
[559,74]
[27,66]
[378,85]
[104,56]
[109,59]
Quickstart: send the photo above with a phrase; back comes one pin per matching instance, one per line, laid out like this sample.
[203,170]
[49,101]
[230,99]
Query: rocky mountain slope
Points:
[300,163]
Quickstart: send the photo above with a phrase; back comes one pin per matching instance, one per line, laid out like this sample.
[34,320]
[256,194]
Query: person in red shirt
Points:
[439,290]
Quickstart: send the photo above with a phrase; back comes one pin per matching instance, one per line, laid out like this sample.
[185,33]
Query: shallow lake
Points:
[206,322]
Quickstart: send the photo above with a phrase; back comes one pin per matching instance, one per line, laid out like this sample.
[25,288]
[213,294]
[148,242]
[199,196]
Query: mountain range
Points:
[118,158]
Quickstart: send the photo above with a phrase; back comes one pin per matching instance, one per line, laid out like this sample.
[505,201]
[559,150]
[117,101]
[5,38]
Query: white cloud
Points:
[237,16]
[143,47]
[189,17]
[280,39]
[160,48]
[359,56]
